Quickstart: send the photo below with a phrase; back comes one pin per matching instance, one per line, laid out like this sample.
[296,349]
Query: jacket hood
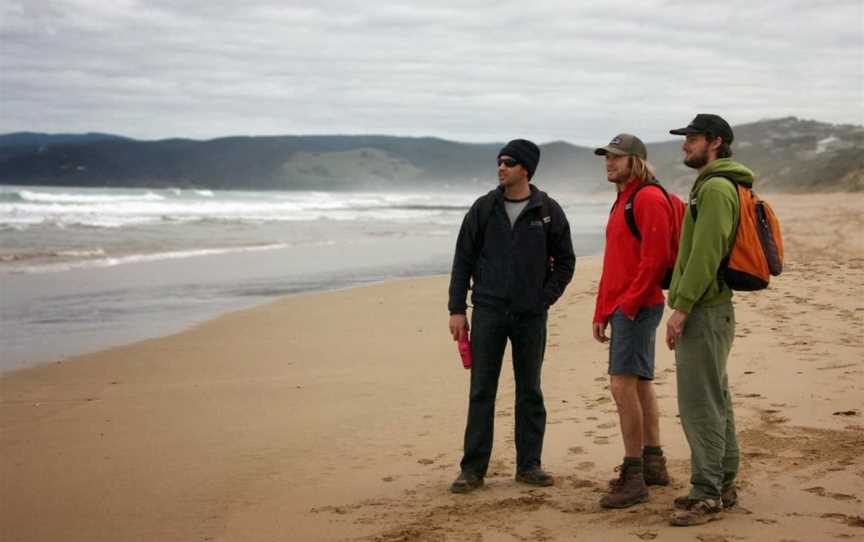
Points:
[726,167]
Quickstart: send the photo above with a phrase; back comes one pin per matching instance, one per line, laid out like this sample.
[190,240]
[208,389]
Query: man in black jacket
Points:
[515,245]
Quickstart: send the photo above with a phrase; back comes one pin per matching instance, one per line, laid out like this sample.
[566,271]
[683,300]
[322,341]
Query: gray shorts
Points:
[631,350]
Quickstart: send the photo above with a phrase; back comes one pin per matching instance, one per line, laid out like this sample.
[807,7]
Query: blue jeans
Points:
[490,330]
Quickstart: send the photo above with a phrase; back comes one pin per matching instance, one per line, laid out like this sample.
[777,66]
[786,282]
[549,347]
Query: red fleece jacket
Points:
[632,270]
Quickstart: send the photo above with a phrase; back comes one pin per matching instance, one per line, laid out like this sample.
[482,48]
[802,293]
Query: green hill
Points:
[788,155]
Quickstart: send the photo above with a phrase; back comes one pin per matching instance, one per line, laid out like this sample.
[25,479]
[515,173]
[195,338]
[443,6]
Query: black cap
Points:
[707,122]
[524,152]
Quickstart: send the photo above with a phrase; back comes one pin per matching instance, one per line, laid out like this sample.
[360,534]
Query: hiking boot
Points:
[729,498]
[466,482]
[700,512]
[654,470]
[627,490]
[535,476]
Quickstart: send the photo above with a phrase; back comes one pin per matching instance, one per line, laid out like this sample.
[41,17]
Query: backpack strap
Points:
[630,214]
[694,212]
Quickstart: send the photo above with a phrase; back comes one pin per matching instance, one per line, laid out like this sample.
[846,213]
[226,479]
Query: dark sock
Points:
[633,463]
[652,450]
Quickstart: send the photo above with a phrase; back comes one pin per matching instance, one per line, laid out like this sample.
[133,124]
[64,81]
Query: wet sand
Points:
[339,416]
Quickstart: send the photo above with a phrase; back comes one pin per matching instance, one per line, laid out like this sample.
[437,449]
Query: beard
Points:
[697,160]
[618,177]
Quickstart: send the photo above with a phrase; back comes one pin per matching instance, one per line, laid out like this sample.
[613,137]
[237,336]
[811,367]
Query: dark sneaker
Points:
[683,502]
[700,512]
[535,476]
[729,497]
[628,489]
[466,482]
[654,470]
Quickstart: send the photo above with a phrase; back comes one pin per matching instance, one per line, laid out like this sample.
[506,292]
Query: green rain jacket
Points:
[706,241]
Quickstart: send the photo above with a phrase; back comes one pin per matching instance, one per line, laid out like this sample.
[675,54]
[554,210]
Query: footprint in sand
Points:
[585,465]
[819,490]
[576,450]
[607,425]
[601,441]
[426,461]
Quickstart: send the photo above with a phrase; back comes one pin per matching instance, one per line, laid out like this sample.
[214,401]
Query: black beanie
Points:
[525,152]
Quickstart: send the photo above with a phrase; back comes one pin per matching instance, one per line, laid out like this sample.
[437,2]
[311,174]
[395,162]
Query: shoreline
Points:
[339,415]
[226,312]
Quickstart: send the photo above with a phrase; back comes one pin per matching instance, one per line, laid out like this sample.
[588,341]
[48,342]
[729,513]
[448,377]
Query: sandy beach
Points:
[340,415]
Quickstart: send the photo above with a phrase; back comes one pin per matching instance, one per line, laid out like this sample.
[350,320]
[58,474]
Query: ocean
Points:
[84,269]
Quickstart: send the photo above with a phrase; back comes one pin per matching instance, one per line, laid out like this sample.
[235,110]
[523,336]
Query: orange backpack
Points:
[757,252]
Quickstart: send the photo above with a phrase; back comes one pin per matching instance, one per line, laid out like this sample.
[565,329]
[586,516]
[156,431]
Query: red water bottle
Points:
[464,345]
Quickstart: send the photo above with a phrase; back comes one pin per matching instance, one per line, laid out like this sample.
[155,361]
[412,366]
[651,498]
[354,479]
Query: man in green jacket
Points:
[702,325]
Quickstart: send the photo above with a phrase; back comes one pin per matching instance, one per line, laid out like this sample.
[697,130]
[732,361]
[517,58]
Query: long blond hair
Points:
[642,169]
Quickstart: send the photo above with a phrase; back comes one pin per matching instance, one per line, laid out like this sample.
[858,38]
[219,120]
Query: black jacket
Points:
[510,267]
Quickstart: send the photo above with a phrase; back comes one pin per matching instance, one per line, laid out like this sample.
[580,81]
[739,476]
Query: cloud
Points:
[474,70]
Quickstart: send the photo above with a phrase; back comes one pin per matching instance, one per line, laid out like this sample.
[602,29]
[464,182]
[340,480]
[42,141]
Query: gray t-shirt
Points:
[514,207]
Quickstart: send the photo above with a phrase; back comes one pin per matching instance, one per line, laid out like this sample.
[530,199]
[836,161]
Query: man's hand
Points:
[675,327]
[600,332]
[458,326]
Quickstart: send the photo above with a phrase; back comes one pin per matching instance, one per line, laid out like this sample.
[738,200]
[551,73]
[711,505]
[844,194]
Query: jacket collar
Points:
[534,201]
[630,187]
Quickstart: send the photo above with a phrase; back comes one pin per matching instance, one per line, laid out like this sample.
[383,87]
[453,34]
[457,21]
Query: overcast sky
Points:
[466,70]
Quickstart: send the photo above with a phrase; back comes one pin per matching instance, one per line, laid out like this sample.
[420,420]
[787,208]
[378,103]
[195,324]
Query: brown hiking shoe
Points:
[654,470]
[700,512]
[627,490]
[729,498]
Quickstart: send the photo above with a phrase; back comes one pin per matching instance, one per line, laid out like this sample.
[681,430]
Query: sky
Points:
[474,71]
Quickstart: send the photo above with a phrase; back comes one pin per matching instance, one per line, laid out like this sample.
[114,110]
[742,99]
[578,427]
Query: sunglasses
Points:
[509,162]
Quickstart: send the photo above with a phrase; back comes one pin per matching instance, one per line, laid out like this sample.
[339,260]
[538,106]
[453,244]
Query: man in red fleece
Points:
[630,299]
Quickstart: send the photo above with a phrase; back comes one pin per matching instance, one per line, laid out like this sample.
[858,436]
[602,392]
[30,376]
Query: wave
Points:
[113,261]
[29,196]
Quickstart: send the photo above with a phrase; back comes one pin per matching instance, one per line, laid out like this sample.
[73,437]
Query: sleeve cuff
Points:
[684,305]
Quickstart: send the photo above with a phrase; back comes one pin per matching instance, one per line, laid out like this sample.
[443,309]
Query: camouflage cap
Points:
[624,145]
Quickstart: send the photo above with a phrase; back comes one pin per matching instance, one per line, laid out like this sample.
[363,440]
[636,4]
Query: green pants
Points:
[704,402]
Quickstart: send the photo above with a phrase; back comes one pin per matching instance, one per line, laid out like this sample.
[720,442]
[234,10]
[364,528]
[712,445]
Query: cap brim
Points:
[686,130]
[602,151]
